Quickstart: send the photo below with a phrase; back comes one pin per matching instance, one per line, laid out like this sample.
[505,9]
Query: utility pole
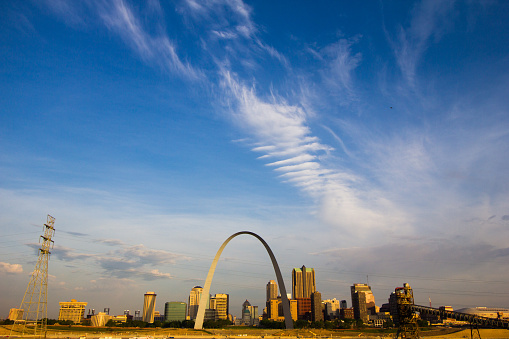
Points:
[35,301]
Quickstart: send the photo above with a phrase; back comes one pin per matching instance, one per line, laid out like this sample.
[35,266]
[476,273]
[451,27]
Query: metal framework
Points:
[408,327]
[408,320]
[475,320]
[35,300]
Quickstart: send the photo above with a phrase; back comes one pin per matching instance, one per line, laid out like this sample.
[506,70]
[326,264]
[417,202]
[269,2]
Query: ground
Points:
[234,332]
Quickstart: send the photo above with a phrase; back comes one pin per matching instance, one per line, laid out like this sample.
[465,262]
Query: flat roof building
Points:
[72,310]
[175,311]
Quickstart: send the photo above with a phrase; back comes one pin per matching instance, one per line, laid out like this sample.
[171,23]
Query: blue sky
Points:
[366,140]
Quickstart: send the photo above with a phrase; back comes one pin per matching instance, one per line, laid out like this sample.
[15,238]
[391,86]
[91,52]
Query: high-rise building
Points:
[363,301]
[275,309]
[271,290]
[316,306]
[303,282]
[175,311]
[72,310]
[149,307]
[343,304]
[220,303]
[194,301]
[332,308]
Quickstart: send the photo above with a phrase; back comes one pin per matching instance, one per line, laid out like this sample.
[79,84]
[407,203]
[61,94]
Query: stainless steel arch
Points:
[206,289]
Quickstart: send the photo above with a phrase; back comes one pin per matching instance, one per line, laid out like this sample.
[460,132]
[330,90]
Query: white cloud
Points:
[340,64]
[119,18]
[429,20]
[281,131]
[10,268]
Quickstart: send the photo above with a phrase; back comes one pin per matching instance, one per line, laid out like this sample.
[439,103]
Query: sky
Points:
[367,140]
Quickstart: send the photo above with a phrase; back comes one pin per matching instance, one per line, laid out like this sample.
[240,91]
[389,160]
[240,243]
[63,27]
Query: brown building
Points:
[346,313]
[316,306]
[304,308]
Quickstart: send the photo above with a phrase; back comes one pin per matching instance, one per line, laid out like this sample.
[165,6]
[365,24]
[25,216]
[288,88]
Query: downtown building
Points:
[331,309]
[303,287]
[72,310]
[249,315]
[149,307]
[220,303]
[363,302]
[274,305]
[194,302]
[175,311]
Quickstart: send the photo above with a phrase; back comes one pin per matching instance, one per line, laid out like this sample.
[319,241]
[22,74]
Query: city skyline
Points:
[365,140]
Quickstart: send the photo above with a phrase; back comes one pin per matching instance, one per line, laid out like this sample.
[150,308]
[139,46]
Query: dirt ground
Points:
[248,333]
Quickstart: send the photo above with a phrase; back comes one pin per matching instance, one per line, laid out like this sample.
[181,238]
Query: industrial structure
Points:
[407,318]
[34,305]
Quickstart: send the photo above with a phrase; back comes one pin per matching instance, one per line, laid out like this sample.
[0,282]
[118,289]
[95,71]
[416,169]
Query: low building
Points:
[100,319]
[72,310]
[175,311]
[15,314]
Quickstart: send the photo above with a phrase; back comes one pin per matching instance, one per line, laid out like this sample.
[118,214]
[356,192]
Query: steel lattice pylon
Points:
[34,305]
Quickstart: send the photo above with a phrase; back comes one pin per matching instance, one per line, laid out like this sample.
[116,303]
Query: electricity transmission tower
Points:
[34,306]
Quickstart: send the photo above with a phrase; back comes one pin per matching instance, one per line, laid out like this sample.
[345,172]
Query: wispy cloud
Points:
[340,62]
[71,12]
[231,22]
[156,49]
[429,20]
[281,132]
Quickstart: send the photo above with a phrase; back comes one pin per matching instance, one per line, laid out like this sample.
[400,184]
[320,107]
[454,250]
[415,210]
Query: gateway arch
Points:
[206,289]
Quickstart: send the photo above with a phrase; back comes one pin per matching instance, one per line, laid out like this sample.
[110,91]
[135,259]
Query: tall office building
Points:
[271,290]
[194,301]
[316,306]
[72,310]
[303,285]
[363,301]
[220,303]
[149,307]
[303,282]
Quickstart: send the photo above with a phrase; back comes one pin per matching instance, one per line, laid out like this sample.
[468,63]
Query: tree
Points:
[388,323]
